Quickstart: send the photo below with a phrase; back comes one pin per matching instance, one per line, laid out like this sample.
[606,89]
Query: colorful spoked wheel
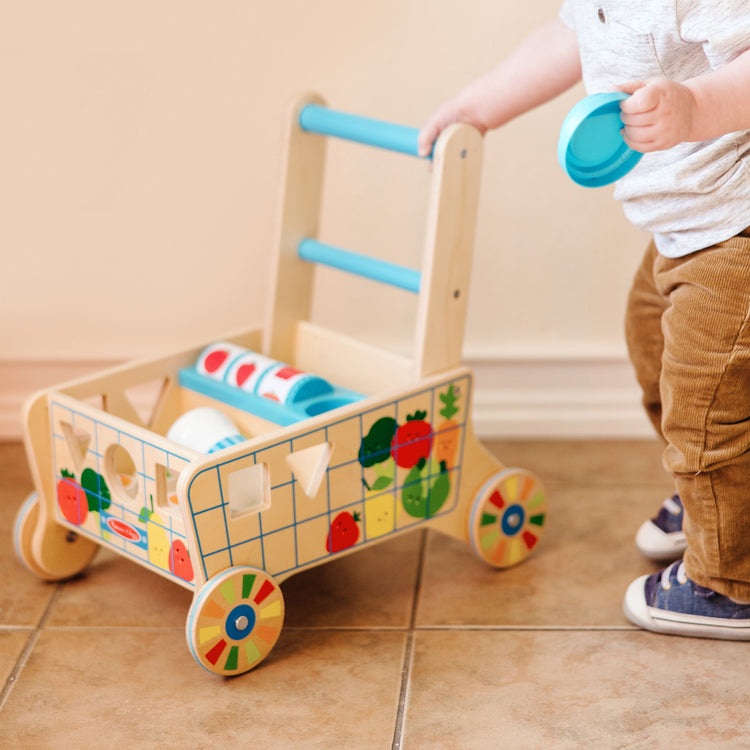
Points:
[507,517]
[235,621]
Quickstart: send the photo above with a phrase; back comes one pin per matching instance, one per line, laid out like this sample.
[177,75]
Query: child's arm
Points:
[662,113]
[544,65]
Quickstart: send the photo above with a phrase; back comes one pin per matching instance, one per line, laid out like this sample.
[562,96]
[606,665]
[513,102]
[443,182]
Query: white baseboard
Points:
[560,414]
[525,395]
[581,394]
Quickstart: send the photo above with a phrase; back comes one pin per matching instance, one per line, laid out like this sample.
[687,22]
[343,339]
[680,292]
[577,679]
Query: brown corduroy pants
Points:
[688,333]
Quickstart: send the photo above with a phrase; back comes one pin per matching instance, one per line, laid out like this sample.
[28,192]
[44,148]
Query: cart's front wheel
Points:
[507,517]
[235,620]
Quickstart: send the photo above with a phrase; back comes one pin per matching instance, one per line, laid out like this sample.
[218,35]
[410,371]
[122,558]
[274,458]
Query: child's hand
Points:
[658,115]
[446,114]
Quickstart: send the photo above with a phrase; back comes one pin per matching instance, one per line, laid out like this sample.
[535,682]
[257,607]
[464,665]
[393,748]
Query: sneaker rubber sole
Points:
[659,545]
[659,620]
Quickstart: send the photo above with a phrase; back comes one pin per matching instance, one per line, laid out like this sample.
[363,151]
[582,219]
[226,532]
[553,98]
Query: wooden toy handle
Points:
[315,118]
[441,283]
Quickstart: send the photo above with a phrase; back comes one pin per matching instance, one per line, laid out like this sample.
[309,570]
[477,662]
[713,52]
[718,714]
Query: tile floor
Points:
[412,644]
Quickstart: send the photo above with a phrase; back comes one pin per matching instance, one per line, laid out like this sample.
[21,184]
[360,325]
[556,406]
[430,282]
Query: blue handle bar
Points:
[316,119]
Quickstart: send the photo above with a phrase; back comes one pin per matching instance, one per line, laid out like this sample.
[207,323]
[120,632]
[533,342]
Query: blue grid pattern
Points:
[267,541]
[116,508]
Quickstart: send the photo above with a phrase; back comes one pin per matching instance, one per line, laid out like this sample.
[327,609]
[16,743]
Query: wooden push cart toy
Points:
[341,445]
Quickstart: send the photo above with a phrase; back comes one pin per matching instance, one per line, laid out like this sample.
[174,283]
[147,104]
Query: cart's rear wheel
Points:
[235,620]
[23,531]
[507,517]
[65,552]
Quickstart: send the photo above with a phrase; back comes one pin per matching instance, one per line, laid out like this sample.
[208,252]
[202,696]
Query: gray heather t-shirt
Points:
[695,194]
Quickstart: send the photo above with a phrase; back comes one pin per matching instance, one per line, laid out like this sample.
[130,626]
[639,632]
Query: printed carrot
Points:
[447,432]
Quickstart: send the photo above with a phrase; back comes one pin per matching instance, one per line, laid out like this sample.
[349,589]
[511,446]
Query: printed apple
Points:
[72,499]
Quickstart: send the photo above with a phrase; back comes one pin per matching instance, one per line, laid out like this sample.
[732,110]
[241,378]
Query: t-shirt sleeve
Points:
[566,14]
[722,27]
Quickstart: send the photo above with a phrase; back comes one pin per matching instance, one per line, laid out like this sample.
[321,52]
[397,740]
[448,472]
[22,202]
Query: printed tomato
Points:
[412,442]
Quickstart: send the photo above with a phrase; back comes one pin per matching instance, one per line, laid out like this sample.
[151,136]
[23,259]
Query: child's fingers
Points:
[447,114]
[432,129]
[426,138]
[637,119]
[639,139]
[638,101]
[630,87]
[644,99]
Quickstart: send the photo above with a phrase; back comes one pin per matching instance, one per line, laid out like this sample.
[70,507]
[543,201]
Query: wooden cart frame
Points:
[233,524]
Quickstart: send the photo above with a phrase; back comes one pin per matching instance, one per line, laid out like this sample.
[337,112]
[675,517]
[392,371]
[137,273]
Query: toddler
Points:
[686,65]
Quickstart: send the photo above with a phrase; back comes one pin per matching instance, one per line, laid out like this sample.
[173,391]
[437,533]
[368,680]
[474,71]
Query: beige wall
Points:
[141,153]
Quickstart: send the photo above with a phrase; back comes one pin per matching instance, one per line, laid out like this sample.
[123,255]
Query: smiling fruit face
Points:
[412,442]
[179,561]
[72,499]
[344,532]
[379,515]
[158,543]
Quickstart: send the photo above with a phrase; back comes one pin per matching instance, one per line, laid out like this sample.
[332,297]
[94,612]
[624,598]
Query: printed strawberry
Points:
[344,532]
[412,442]
[72,499]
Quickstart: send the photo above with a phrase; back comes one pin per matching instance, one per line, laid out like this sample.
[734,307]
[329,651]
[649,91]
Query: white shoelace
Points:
[673,507]
[666,574]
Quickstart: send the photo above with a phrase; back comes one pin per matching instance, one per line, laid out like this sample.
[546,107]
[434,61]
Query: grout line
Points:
[418,582]
[398,729]
[532,628]
[345,628]
[27,649]
[336,628]
[16,628]
[118,628]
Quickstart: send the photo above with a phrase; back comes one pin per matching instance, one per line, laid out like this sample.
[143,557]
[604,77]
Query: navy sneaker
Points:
[662,538]
[669,602]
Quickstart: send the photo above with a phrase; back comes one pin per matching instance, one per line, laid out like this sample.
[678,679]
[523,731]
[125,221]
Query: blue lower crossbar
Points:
[361,265]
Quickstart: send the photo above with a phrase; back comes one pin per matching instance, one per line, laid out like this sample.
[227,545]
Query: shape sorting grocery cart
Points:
[324,445]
